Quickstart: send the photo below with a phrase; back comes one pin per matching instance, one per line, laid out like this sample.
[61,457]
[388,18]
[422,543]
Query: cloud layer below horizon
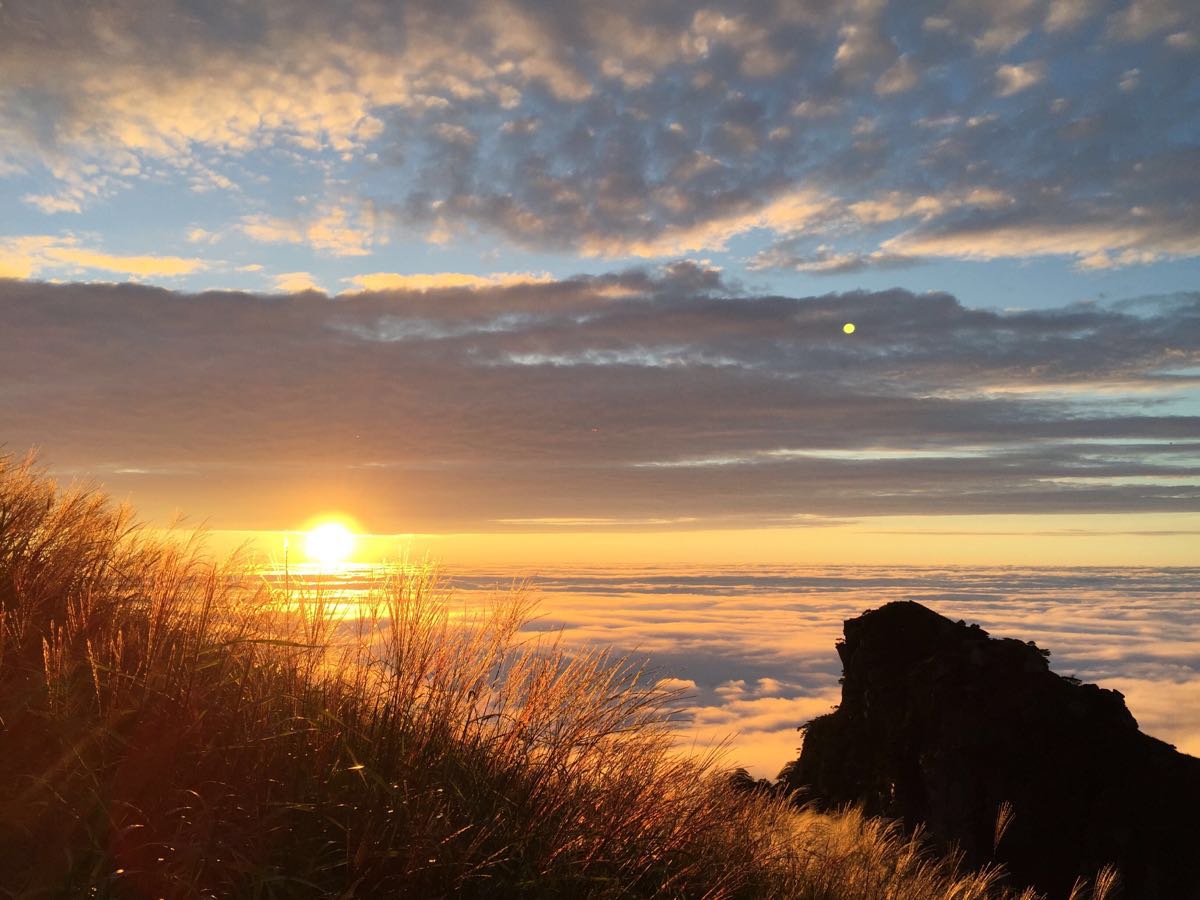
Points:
[753,647]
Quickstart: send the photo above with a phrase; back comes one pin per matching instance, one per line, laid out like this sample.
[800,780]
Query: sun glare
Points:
[329,544]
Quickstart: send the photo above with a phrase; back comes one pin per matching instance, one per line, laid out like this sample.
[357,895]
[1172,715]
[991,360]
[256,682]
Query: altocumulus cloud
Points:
[649,395]
[845,135]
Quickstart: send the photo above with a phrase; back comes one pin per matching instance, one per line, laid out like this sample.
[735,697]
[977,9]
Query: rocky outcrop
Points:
[941,725]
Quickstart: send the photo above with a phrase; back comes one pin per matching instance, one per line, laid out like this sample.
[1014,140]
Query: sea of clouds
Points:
[754,647]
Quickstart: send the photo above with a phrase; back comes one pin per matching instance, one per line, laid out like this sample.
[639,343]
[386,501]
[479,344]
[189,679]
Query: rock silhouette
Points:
[941,724]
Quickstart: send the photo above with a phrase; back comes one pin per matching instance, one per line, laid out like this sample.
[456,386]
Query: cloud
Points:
[124,265]
[1012,79]
[296,282]
[197,235]
[330,230]
[51,203]
[994,28]
[455,134]
[797,252]
[392,281]
[1141,19]
[825,261]
[785,214]
[897,205]
[624,130]
[862,47]
[239,81]
[1125,239]
[660,396]
[26,257]
[901,77]
[1064,15]
[21,257]
[676,684]
[1130,79]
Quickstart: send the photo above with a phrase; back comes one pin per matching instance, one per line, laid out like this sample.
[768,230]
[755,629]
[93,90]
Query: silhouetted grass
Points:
[171,727]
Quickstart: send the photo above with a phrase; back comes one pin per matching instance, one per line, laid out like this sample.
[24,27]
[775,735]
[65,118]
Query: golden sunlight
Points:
[329,543]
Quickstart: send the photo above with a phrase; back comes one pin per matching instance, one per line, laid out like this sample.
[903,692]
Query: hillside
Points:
[174,727]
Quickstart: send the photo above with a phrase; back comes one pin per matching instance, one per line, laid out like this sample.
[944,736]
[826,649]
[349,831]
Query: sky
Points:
[531,279]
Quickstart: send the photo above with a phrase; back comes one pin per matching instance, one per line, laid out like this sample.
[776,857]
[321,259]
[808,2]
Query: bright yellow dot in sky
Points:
[329,544]
[848,328]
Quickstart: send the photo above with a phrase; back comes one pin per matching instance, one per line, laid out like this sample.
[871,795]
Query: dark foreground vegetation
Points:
[174,728]
[942,726]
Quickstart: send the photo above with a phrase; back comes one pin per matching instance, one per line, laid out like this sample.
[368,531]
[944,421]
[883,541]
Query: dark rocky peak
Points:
[941,724]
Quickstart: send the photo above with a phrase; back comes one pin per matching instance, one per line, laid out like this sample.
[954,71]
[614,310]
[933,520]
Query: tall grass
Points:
[174,727]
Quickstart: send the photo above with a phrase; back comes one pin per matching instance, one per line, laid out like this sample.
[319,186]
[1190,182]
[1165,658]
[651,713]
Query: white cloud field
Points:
[754,647]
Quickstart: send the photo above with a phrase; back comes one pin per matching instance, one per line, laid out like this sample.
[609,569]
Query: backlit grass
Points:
[175,727]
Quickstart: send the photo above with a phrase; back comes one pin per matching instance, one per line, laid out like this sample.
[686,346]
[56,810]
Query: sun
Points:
[329,543]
